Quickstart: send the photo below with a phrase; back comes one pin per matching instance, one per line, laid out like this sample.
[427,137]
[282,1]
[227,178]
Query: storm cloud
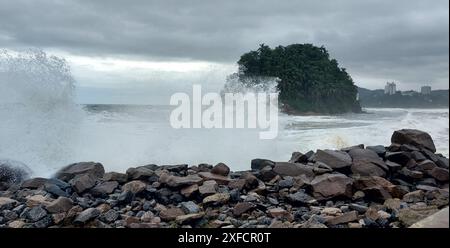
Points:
[404,41]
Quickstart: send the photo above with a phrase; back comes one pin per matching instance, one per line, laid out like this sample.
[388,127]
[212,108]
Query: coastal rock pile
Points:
[355,187]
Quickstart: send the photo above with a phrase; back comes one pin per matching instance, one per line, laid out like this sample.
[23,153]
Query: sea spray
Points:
[39,117]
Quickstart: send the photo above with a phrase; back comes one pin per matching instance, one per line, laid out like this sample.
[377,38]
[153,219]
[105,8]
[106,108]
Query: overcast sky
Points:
[141,51]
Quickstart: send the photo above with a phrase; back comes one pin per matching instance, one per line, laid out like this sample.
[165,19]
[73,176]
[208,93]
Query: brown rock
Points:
[345,218]
[189,190]
[83,182]
[208,188]
[293,170]
[60,205]
[115,176]
[7,203]
[415,196]
[134,186]
[440,174]
[94,169]
[280,213]
[185,219]
[175,181]
[219,198]
[104,188]
[327,186]
[242,207]
[334,159]
[222,180]
[170,214]
[221,169]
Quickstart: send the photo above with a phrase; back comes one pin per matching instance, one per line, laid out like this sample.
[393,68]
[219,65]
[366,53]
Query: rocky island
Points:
[355,187]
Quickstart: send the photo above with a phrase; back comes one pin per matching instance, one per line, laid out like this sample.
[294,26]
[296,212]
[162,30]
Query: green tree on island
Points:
[309,81]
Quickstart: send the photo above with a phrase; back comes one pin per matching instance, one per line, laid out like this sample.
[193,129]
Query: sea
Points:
[42,126]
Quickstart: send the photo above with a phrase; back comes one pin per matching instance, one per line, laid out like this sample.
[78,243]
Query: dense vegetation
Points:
[377,99]
[309,80]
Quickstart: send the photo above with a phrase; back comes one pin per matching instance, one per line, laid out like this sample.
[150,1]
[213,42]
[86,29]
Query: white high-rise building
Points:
[390,88]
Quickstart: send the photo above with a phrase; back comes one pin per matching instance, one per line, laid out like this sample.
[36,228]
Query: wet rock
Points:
[87,215]
[44,222]
[208,188]
[105,188]
[242,207]
[175,181]
[410,175]
[95,170]
[60,205]
[418,156]
[258,164]
[190,207]
[345,218]
[83,182]
[221,169]
[443,162]
[175,168]
[219,198]
[36,213]
[328,186]
[334,159]
[12,172]
[413,137]
[293,170]
[115,176]
[140,173]
[135,187]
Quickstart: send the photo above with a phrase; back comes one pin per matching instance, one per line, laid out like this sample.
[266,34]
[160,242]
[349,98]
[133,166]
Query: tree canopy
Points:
[309,80]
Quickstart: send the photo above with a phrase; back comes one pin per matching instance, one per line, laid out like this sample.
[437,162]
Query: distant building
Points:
[425,90]
[390,88]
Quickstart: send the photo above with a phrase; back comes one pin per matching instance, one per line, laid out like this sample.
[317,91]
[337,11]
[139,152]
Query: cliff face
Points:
[377,99]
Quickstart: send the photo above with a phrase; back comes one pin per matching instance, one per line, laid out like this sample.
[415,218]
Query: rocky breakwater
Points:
[355,187]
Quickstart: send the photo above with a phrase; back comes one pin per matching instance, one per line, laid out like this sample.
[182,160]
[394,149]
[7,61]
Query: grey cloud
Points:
[403,40]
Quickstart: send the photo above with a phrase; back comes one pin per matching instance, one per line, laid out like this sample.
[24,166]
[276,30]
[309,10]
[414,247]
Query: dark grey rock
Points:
[190,207]
[258,164]
[87,215]
[96,170]
[36,213]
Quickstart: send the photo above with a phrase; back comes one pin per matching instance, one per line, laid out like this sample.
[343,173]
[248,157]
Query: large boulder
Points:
[293,170]
[334,159]
[259,164]
[367,163]
[328,186]
[415,138]
[12,172]
[90,168]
